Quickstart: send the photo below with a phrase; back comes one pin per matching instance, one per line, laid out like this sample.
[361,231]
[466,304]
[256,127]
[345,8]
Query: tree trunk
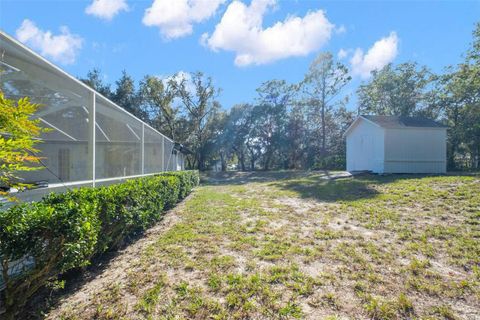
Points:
[474,160]
[189,163]
[223,162]
[477,158]
[241,160]
[266,164]
[453,141]
[200,161]
[324,130]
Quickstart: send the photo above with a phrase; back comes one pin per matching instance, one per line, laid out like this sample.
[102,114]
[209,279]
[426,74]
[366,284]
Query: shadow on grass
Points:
[319,185]
[322,188]
[239,177]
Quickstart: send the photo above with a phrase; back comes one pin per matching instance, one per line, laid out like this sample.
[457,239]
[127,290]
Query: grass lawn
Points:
[297,245]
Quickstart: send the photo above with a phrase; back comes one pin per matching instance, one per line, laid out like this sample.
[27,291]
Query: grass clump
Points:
[380,309]
[445,312]
[151,297]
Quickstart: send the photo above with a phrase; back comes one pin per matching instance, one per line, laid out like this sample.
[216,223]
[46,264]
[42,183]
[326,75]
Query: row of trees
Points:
[291,126]
[288,126]
[300,125]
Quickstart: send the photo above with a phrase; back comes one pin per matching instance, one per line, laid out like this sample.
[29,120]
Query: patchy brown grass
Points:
[299,245]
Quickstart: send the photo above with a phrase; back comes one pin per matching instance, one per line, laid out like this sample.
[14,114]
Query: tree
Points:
[127,97]
[403,90]
[238,126]
[197,94]
[220,143]
[18,138]
[337,123]
[94,81]
[297,137]
[459,98]
[157,96]
[322,87]
[270,116]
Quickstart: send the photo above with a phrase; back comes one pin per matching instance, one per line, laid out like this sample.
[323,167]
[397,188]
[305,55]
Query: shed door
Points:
[364,160]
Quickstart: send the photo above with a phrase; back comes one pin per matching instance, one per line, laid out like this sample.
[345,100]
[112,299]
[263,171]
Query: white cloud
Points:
[175,19]
[379,55]
[341,29]
[177,77]
[240,30]
[106,9]
[62,47]
[342,54]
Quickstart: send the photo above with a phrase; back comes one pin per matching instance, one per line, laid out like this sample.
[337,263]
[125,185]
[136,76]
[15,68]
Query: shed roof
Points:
[402,122]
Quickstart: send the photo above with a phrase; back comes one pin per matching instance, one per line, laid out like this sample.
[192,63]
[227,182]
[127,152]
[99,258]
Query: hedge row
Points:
[65,231]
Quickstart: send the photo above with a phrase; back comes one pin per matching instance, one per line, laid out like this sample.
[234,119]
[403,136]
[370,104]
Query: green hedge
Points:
[64,231]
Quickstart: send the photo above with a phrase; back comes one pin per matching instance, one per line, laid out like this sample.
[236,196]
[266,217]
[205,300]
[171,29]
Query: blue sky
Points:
[240,44]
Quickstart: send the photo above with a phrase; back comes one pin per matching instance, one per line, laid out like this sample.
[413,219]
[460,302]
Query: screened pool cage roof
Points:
[17,84]
[76,152]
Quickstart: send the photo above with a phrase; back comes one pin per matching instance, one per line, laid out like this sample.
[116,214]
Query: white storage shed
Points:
[395,144]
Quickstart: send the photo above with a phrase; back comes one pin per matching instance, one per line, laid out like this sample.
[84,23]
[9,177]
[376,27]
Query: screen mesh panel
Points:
[169,157]
[64,111]
[153,151]
[118,147]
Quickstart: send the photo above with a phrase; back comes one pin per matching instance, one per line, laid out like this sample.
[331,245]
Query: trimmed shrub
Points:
[65,231]
[188,181]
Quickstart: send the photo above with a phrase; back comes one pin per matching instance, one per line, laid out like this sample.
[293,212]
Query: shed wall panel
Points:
[414,167]
[415,150]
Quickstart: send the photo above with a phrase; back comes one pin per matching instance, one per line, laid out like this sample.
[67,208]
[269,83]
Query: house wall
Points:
[365,147]
[415,150]
[74,167]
